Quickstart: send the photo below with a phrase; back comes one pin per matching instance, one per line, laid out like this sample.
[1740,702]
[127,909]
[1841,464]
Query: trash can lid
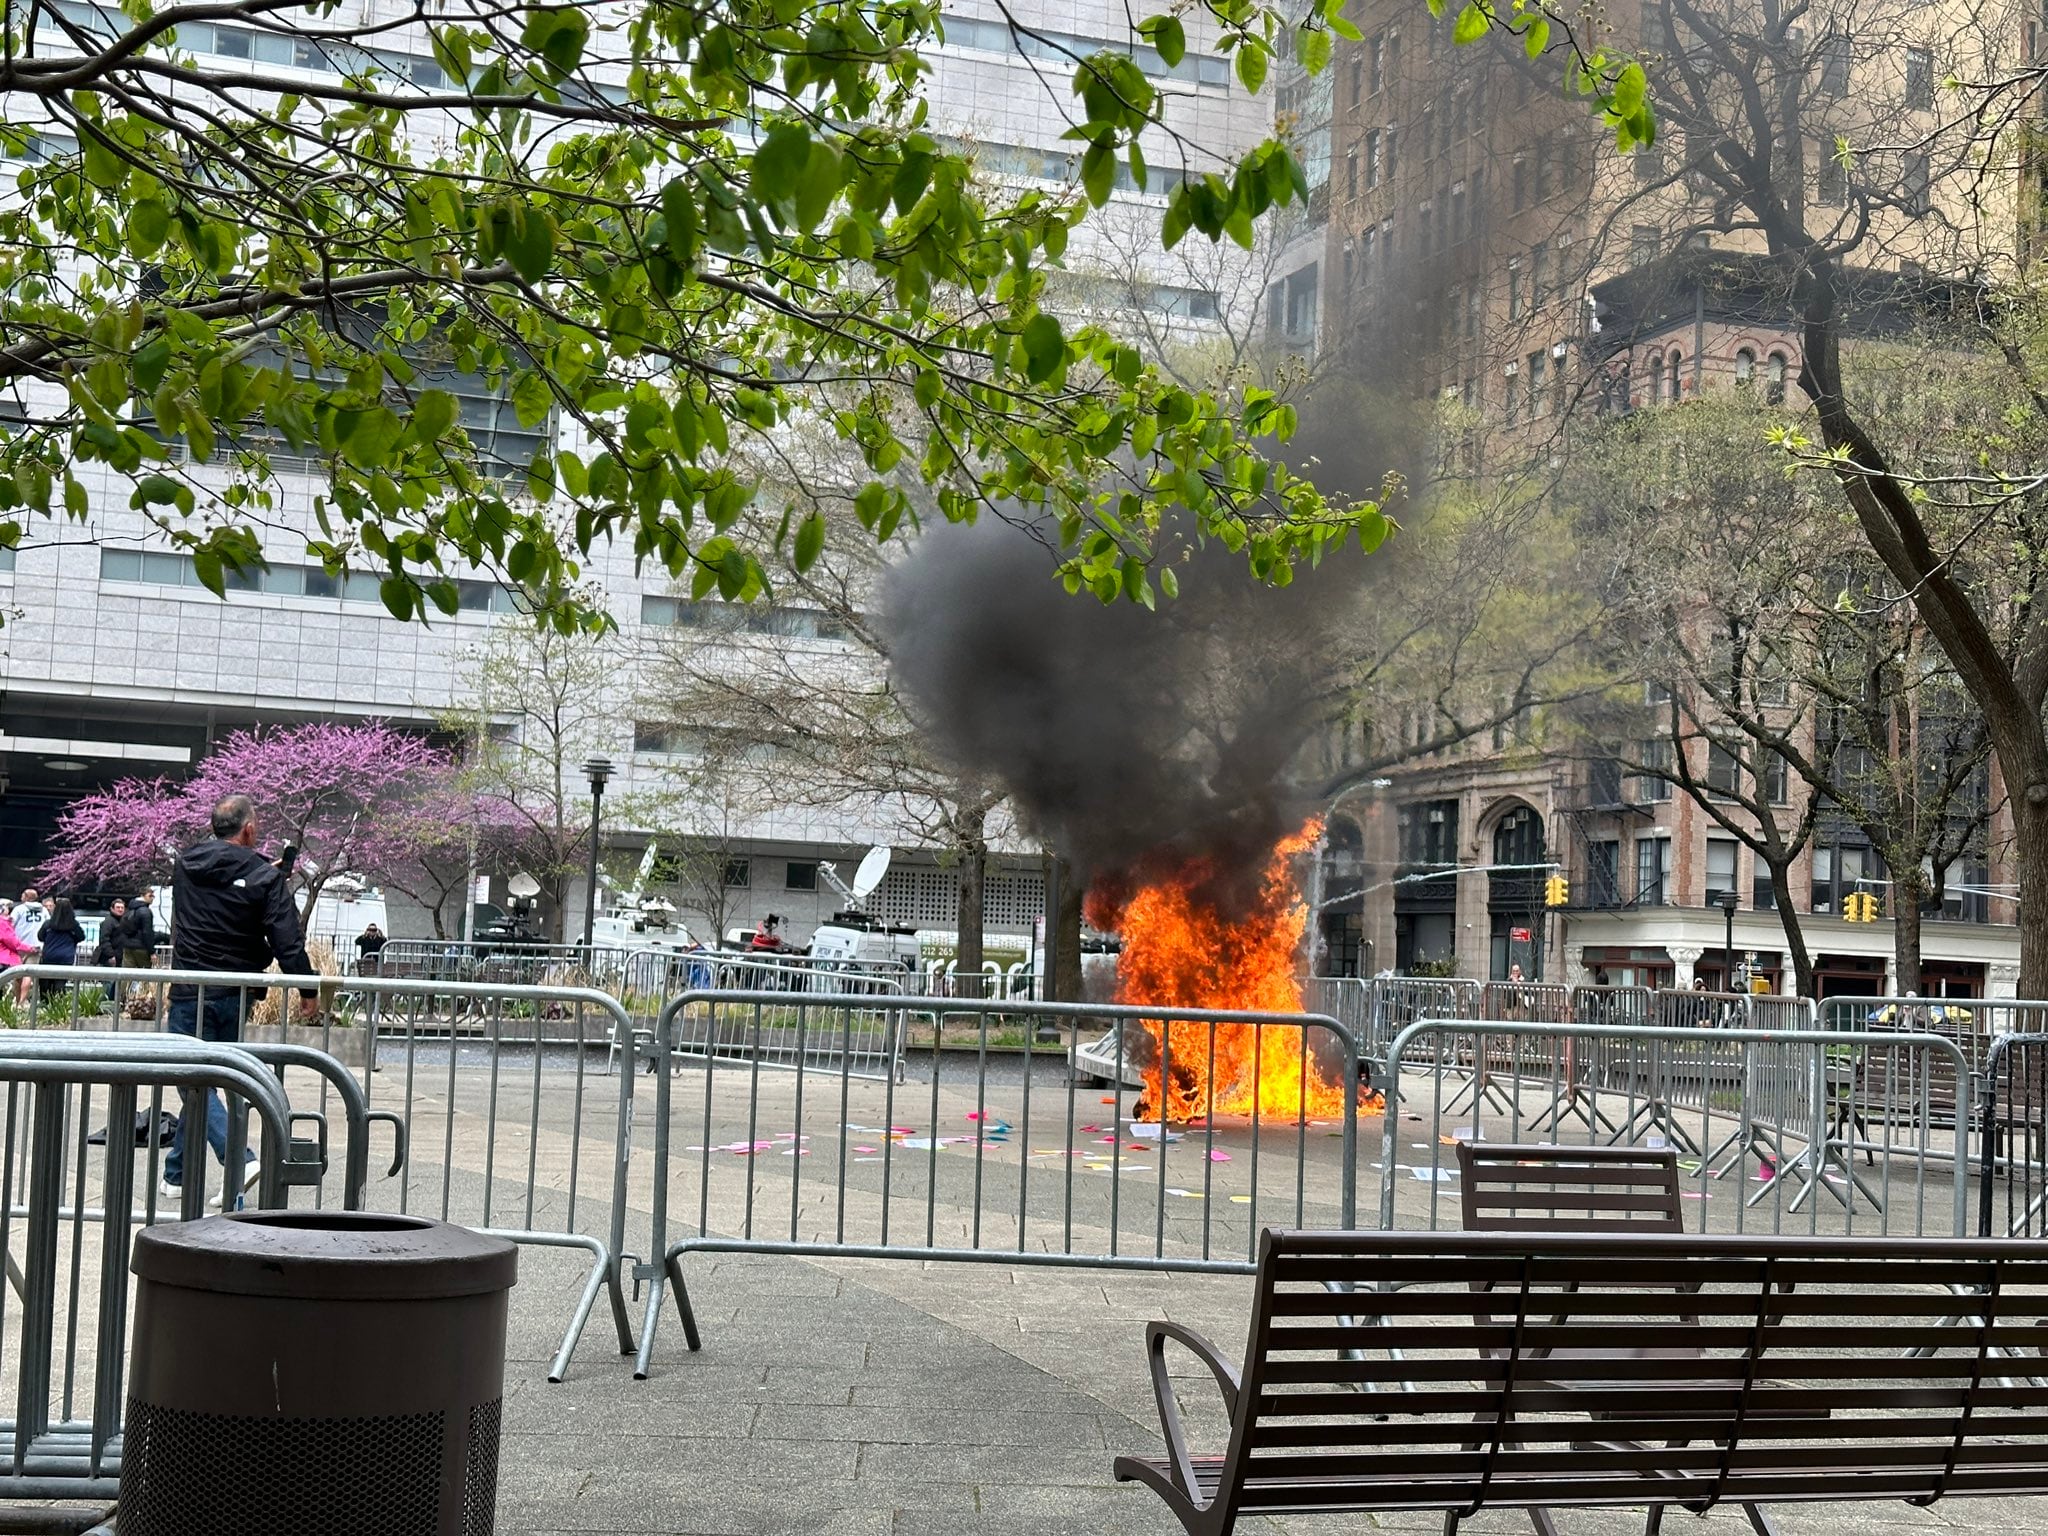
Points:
[351,1255]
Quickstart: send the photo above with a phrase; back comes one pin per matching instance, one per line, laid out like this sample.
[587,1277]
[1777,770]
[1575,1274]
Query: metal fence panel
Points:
[1772,1129]
[2013,1138]
[73,1197]
[503,1127]
[991,1150]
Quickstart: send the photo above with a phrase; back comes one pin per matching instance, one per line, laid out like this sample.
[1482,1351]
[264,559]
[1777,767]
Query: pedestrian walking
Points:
[60,935]
[138,937]
[235,913]
[107,951]
[28,917]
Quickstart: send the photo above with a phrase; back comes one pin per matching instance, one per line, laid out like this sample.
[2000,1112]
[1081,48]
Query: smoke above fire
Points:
[1139,744]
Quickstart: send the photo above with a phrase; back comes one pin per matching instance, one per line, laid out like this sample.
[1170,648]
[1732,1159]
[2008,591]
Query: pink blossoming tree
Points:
[351,796]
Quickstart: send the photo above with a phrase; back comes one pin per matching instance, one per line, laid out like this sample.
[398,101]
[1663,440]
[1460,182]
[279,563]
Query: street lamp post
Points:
[599,771]
[1729,899]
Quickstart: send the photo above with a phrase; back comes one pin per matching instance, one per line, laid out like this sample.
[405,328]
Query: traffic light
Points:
[1859,907]
[1557,891]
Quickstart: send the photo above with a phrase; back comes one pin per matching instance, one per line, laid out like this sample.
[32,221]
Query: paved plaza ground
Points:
[846,1398]
[902,1396]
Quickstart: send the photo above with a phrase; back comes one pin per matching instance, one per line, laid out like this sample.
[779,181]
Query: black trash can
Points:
[319,1373]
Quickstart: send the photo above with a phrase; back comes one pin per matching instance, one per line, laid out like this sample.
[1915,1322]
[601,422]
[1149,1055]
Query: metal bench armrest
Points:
[1156,1335]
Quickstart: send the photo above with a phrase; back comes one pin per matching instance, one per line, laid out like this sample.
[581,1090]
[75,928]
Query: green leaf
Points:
[1171,39]
[1536,38]
[1629,88]
[1045,348]
[1313,49]
[149,363]
[530,243]
[149,225]
[1472,25]
[1251,65]
[400,599]
[810,541]
[1168,582]
[1098,172]
[433,413]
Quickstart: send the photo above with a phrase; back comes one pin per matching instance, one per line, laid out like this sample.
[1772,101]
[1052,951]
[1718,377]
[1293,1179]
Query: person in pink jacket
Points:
[12,950]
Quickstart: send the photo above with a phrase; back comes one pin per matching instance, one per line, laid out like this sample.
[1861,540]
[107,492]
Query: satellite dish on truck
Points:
[523,885]
[865,879]
[870,873]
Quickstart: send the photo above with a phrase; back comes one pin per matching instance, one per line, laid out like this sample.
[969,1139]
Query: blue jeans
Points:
[221,1021]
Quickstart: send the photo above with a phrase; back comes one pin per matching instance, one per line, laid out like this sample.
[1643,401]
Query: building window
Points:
[1762,894]
[1721,863]
[1518,181]
[1654,782]
[1459,231]
[1357,79]
[1473,305]
[1372,158]
[800,875]
[1777,783]
[1603,873]
[1831,181]
[1653,871]
[1915,184]
[1365,255]
[1645,241]
[1656,27]
[1774,379]
[1745,366]
[1834,65]
[1557,384]
[1539,402]
[1376,52]
[1723,776]
[1677,364]
[1429,128]
[1515,289]
[1919,78]
[738,874]
[1537,261]
[1351,173]
[1387,158]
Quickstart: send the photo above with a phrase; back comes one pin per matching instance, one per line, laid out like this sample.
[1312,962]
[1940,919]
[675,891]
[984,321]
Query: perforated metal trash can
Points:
[318,1373]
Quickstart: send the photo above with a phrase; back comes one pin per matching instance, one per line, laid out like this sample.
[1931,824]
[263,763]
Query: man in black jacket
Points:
[232,911]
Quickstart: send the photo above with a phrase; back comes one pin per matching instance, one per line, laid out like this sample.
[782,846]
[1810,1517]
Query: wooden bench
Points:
[1539,1372]
[1508,1188]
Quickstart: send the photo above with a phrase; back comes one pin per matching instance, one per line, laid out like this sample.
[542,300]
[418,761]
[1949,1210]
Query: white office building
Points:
[114,661]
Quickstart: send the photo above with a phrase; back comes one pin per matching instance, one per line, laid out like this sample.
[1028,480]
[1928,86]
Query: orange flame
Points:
[1180,952]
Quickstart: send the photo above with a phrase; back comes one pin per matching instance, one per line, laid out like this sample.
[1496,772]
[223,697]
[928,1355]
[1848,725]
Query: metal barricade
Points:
[500,1127]
[1958,1017]
[1398,1001]
[992,1152]
[1793,1115]
[1690,1008]
[864,1042]
[73,1199]
[2013,1138]
[1770,1010]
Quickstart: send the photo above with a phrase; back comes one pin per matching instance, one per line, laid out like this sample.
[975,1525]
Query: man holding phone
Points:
[233,911]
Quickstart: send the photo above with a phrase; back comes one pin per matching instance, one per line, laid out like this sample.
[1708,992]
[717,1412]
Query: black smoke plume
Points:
[1136,743]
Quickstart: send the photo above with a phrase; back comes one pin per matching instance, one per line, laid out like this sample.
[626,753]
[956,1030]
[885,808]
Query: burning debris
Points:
[1181,950]
[1153,750]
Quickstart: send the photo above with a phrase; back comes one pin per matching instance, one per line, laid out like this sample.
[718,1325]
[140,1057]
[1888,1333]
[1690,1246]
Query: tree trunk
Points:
[2030,853]
[973,852]
[1795,935]
[1066,950]
[557,895]
[1905,916]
